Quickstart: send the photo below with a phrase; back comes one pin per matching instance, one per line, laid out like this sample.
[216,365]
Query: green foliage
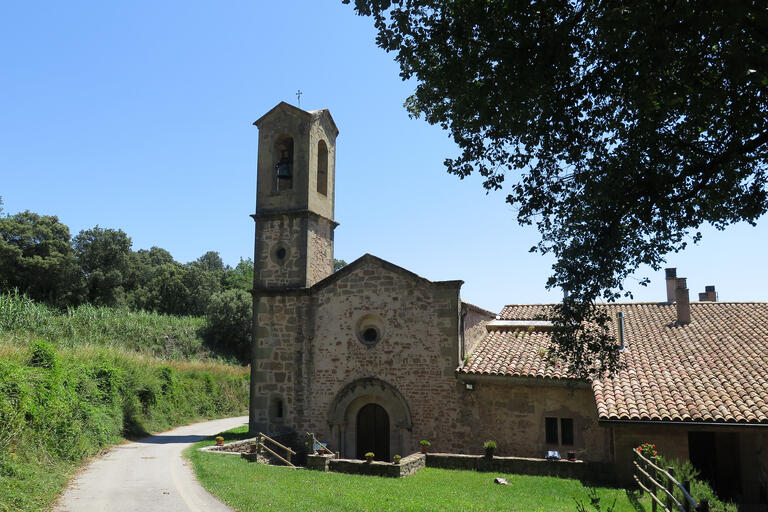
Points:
[241,277]
[339,264]
[170,337]
[249,487]
[369,455]
[59,406]
[229,322]
[396,459]
[489,445]
[36,258]
[104,257]
[700,489]
[43,355]
[424,442]
[619,129]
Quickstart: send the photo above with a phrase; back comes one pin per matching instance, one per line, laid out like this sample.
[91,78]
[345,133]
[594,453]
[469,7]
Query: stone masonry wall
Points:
[320,241]
[283,324]
[474,328]
[275,231]
[513,414]
[416,354]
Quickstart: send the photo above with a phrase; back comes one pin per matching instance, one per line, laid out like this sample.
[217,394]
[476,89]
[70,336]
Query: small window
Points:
[322,168]
[562,435]
[566,431]
[276,411]
[371,335]
[370,330]
[550,425]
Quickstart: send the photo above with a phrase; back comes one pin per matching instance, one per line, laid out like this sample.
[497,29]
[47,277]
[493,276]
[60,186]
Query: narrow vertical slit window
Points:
[322,168]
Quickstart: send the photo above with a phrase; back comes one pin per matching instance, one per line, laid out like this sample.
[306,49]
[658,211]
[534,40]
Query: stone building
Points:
[375,358]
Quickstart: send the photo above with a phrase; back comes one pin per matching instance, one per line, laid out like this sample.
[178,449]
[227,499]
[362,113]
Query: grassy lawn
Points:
[249,486]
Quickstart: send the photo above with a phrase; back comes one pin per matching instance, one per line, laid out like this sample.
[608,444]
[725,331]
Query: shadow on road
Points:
[161,439]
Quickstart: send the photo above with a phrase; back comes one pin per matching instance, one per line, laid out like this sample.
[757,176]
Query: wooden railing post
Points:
[670,486]
[687,487]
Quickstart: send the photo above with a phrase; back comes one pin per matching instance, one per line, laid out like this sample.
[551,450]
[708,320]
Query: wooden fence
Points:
[657,481]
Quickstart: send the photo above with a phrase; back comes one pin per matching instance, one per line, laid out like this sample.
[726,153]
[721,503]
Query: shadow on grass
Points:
[633,495]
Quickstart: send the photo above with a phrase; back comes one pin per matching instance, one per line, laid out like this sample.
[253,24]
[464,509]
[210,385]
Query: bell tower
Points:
[294,198]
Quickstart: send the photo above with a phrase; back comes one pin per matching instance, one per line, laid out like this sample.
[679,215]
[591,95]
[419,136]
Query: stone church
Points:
[376,358]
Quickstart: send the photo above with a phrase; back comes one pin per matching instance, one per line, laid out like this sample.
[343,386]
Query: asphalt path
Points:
[146,475]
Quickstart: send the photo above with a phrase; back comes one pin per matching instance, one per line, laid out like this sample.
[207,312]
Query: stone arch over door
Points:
[342,418]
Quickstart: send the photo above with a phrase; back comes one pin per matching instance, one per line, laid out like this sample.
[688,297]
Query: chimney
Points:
[683,302]
[709,294]
[671,284]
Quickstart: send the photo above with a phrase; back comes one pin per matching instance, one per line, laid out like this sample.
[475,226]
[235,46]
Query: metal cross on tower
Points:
[298,96]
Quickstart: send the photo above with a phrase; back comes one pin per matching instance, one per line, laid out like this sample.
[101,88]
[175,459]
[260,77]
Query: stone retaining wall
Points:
[408,466]
[593,472]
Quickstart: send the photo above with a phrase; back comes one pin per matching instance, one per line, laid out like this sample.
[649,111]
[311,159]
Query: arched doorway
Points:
[344,415]
[373,432]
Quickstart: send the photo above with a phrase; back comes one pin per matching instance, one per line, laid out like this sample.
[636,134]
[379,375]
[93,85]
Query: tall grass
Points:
[165,336]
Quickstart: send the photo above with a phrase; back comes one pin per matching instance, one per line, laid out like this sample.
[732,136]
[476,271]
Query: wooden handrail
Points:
[261,444]
[276,455]
[688,501]
[277,444]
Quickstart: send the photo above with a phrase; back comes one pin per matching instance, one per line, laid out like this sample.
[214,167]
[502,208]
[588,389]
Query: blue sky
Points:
[137,115]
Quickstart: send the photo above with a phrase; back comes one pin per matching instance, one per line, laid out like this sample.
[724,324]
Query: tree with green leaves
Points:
[37,259]
[229,322]
[103,255]
[617,128]
[240,277]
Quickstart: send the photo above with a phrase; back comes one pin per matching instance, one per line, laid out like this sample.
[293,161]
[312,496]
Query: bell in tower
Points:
[294,198]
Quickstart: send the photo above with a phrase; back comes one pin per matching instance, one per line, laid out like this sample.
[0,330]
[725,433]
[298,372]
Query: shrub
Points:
[228,322]
[489,445]
[424,442]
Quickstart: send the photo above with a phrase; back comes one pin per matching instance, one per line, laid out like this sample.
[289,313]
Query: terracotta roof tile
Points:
[714,369]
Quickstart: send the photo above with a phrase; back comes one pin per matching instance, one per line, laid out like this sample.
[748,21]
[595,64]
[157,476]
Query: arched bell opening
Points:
[322,168]
[283,163]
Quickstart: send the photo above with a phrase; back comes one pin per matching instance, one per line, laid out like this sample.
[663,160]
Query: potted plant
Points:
[219,441]
[369,457]
[425,445]
[489,447]
[396,459]
[571,456]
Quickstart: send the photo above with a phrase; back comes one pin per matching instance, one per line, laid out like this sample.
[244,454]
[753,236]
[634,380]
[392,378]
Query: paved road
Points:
[146,475]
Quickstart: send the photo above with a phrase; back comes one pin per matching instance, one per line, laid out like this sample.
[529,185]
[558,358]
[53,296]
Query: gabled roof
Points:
[714,369]
[287,107]
[371,259]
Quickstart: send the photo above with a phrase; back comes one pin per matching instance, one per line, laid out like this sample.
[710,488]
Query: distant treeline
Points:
[40,259]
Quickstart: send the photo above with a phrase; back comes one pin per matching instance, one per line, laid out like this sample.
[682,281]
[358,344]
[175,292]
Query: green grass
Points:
[249,487]
[23,320]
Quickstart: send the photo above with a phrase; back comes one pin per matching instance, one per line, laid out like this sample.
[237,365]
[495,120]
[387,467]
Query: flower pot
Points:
[571,456]
[424,449]
[219,442]
[489,453]
[369,459]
